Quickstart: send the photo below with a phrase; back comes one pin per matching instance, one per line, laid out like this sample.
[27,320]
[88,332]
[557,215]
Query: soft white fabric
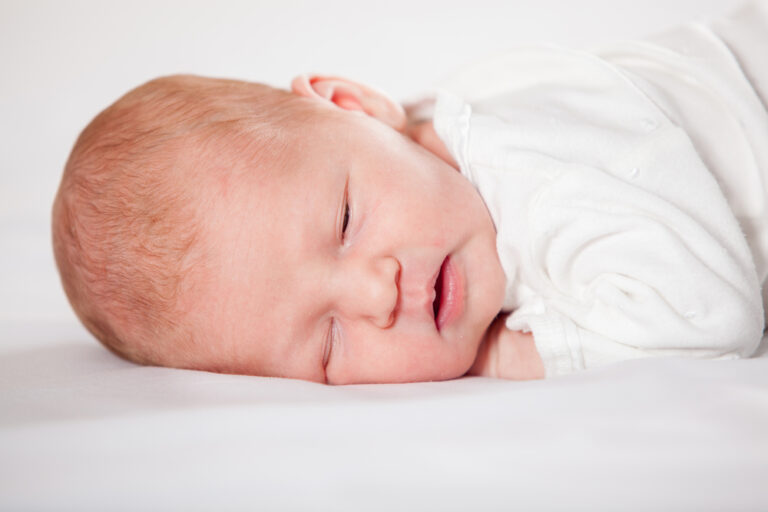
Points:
[618,180]
[81,430]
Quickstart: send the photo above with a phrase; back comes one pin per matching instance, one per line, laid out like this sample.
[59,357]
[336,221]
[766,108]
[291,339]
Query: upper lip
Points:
[433,293]
[433,282]
[419,299]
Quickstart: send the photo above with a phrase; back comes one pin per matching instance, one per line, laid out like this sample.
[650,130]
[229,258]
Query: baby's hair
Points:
[125,226]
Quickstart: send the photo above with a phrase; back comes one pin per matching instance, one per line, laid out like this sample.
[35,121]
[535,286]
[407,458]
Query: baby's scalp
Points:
[126,218]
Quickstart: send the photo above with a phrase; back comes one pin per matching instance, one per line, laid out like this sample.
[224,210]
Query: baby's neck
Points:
[423,133]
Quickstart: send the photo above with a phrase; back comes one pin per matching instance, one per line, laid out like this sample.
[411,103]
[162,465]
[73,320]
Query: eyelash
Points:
[331,339]
[345,222]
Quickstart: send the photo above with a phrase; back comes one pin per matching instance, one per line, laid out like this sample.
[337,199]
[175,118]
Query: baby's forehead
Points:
[269,181]
[291,159]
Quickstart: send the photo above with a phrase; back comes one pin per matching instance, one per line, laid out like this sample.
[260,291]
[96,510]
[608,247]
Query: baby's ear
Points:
[350,95]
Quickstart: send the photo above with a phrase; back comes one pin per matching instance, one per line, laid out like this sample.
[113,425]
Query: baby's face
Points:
[365,258]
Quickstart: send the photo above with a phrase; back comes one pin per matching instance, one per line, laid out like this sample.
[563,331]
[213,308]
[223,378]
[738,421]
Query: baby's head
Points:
[232,227]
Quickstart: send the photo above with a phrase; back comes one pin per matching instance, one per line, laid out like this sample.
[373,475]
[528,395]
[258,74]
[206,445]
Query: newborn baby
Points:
[557,210]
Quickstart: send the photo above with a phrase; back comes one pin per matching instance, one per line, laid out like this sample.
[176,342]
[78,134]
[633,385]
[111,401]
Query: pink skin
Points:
[294,294]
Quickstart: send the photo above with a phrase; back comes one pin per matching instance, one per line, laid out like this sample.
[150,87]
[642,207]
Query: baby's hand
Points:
[506,354]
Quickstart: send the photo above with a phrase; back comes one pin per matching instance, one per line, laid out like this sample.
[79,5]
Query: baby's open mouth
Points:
[438,291]
[448,304]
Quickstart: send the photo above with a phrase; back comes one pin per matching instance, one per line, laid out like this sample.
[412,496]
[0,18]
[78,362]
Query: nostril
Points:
[390,320]
[398,297]
[396,302]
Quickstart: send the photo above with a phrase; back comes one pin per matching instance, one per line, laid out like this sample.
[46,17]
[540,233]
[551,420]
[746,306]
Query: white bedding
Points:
[82,430]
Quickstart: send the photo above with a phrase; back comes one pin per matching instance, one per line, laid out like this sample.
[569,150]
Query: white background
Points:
[61,62]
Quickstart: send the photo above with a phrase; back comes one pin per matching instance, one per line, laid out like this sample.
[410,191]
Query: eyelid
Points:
[330,339]
[343,211]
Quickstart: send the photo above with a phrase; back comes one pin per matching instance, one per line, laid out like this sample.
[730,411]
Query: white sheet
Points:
[82,430]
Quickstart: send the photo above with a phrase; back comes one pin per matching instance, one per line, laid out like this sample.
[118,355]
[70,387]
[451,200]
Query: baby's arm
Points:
[507,354]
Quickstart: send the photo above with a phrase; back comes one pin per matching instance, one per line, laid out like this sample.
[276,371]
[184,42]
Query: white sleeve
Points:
[615,237]
[621,273]
[649,272]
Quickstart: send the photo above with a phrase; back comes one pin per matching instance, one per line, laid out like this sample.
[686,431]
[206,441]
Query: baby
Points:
[555,211]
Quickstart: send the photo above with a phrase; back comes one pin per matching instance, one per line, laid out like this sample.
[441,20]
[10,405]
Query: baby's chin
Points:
[453,369]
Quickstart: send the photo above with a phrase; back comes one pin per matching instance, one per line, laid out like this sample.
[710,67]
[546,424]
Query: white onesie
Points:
[629,189]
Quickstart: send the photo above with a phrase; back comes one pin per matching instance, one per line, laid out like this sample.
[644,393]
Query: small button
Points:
[690,314]
[634,172]
[649,123]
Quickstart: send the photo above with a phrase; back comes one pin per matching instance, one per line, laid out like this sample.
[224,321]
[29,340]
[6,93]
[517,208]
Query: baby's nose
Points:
[371,290]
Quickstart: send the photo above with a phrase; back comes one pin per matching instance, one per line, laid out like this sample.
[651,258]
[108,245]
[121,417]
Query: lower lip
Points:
[452,295]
